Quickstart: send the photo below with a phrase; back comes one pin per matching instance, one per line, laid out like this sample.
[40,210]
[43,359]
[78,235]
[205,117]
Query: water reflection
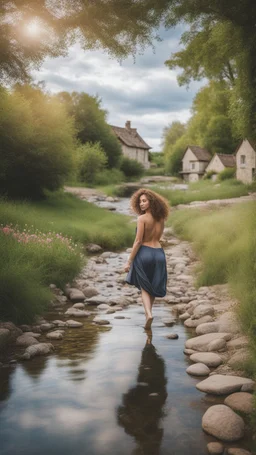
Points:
[142,408]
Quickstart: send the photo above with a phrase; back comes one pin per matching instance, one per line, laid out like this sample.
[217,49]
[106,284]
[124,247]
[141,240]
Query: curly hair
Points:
[159,206]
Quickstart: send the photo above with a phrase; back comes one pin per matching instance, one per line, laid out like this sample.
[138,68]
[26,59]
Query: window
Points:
[193,166]
[242,160]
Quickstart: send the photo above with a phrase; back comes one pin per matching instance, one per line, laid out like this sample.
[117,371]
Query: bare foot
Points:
[148,323]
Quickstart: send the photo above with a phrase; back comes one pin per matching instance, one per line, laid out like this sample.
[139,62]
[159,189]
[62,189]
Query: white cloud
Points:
[144,91]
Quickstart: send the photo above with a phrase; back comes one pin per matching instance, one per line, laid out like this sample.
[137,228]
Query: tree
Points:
[91,161]
[91,125]
[37,142]
[171,134]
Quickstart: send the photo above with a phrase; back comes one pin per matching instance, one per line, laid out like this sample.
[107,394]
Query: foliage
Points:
[91,123]
[208,175]
[64,213]
[131,168]
[174,157]
[157,158]
[155,171]
[109,176]
[37,142]
[90,162]
[228,173]
[32,262]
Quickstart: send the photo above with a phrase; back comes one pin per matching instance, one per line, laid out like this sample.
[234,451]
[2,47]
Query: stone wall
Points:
[245,171]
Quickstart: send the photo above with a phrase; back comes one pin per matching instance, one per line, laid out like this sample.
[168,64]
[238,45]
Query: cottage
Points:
[246,161]
[194,162]
[133,146]
[221,161]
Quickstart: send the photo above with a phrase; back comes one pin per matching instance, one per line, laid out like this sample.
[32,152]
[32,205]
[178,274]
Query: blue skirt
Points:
[148,271]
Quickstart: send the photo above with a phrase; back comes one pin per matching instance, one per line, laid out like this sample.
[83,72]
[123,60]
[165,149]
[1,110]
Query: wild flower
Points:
[50,239]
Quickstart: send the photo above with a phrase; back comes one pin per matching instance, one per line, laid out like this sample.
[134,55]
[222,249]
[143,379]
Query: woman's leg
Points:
[147,300]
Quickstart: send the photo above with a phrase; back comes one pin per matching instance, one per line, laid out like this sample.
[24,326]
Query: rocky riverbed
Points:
[213,348]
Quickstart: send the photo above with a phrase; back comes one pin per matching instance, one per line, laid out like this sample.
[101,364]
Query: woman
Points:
[146,266]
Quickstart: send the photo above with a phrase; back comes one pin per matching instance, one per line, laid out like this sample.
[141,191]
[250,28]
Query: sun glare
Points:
[33,28]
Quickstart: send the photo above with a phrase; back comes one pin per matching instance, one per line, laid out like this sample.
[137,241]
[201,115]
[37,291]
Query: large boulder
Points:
[203,310]
[223,423]
[207,327]
[208,358]
[192,323]
[240,401]
[219,384]
[202,342]
[26,340]
[5,336]
[198,369]
[75,295]
[37,349]
[228,322]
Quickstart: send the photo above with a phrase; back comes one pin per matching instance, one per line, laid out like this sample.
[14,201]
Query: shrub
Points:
[208,175]
[37,141]
[131,168]
[91,161]
[109,176]
[228,173]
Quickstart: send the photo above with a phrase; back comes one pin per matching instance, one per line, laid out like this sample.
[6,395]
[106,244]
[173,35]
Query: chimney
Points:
[128,124]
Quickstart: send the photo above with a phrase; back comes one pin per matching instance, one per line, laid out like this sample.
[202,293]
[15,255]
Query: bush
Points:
[91,161]
[208,175]
[131,168]
[228,173]
[109,176]
[37,141]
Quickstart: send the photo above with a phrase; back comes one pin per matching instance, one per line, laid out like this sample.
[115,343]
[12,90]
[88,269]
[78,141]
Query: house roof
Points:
[200,153]
[252,143]
[227,160]
[130,137]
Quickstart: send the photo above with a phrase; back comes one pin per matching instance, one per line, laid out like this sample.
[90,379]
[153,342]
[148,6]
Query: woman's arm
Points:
[137,242]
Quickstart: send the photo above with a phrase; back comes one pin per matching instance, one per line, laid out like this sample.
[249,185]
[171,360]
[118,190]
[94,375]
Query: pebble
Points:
[215,448]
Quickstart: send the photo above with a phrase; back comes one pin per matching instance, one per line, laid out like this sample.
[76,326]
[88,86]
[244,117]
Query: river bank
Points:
[100,303]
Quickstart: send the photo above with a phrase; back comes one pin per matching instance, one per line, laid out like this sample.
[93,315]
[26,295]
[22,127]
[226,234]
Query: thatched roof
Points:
[129,136]
[227,160]
[200,153]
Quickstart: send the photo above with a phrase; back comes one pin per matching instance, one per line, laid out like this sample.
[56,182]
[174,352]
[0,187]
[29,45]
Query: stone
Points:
[5,336]
[103,306]
[237,451]
[250,388]
[77,313]
[184,316]
[56,335]
[239,358]
[79,305]
[73,324]
[100,321]
[208,358]
[240,401]
[90,292]
[93,248]
[96,300]
[111,311]
[219,384]
[189,351]
[215,448]
[172,336]
[59,323]
[228,322]
[46,326]
[203,310]
[217,345]
[223,423]
[119,317]
[168,322]
[33,334]
[201,342]
[207,327]
[26,340]
[14,330]
[198,369]
[237,343]
[192,323]
[75,295]
[37,349]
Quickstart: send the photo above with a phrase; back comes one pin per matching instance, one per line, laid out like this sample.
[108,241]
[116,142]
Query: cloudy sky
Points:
[144,91]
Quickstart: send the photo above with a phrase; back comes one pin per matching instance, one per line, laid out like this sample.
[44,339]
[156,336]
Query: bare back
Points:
[153,231]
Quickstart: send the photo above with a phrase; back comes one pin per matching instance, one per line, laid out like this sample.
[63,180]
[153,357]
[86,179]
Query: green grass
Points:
[64,213]
[225,240]
[204,190]
[27,269]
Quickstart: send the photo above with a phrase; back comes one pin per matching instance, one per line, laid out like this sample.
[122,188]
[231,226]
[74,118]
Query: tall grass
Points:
[225,239]
[64,213]
[204,190]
